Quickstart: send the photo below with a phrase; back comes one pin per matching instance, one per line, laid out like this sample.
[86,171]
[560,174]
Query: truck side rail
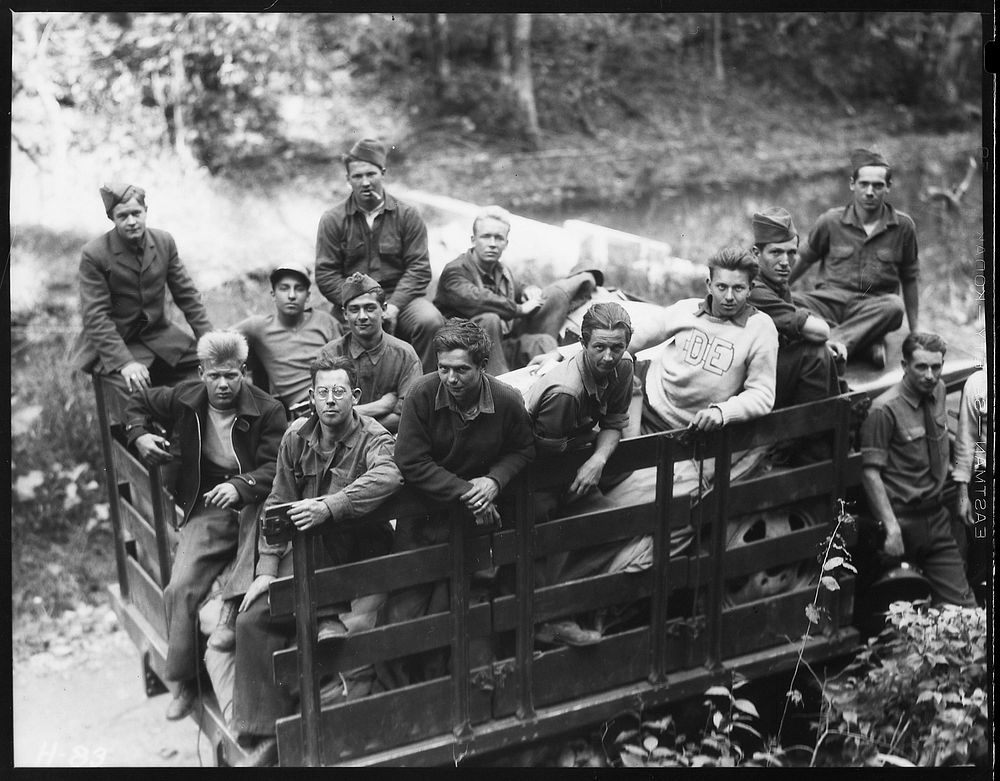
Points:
[481,691]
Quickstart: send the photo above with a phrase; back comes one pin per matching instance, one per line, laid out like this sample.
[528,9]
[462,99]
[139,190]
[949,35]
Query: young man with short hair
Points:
[124,275]
[904,457]
[463,436]
[286,341]
[522,322]
[806,366]
[376,234]
[333,466]
[386,366]
[227,433]
[867,251]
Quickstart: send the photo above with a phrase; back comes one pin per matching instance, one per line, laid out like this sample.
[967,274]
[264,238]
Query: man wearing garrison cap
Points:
[868,255]
[386,366]
[124,275]
[806,368]
[373,233]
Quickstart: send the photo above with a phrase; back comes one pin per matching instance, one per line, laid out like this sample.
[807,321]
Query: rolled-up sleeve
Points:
[876,434]
[555,418]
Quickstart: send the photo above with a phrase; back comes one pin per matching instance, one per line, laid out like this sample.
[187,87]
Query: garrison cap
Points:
[357,285]
[369,150]
[118,192]
[862,157]
[773,225]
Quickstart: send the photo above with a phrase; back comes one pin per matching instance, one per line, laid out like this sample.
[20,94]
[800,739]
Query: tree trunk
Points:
[720,73]
[177,89]
[438,51]
[523,86]
[501,49]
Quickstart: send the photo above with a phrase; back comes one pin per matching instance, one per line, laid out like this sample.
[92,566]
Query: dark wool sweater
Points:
[437,451]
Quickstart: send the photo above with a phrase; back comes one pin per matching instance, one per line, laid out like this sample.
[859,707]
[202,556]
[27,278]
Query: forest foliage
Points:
[213,87]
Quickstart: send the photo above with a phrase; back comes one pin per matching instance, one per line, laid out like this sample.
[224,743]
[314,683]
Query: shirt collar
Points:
[590,383]
[388,204]
[311,431]
[851,216]
[705,308]
[913,398]
[444,399]
[355,349]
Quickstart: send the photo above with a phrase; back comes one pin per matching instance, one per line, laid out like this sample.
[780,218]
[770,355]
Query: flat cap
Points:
[290,267]
[357,285]
[119,192]
[370,150]
[772,225]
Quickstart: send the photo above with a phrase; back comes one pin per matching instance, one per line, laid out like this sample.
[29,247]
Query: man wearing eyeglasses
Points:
[867,253]
[333,466]
[227,434]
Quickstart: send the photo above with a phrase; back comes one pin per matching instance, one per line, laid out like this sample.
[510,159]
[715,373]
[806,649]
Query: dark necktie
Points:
[930,426]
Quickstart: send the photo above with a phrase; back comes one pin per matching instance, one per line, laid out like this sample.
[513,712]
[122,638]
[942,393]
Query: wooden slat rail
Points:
[525,543]
[106,396]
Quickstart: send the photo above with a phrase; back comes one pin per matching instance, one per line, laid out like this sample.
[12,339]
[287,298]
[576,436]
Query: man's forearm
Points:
[878,499]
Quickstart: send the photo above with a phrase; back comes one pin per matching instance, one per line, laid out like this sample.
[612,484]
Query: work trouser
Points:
[207,542]
[257,699]
[928,541]
[805,372]
[856,319]
[418,322]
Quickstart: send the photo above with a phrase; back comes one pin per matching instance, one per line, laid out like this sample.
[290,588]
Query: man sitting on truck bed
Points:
[334,465]
[386,366]
[581,401]
[285,342]
[904,456]
[227,433]
[463,436]
[124,276]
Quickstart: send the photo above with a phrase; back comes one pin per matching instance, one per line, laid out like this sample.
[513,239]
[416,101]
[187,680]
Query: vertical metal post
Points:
[661,557]
[111,484]
[525,572]
[160,521]
[461,722]
[713,660]
[304,564]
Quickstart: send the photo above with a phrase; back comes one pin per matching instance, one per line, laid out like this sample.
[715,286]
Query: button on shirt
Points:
[567,403]
[852,260]
[913,460]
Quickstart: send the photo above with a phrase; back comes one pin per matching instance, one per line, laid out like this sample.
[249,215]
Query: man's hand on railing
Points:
[587,477]
[309,513]
[153,448]
[258,587]
[487,517]
[136,375]
[708,419]
[484,490]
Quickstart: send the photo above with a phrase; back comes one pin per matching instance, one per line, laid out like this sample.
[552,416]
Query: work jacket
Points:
[183,409]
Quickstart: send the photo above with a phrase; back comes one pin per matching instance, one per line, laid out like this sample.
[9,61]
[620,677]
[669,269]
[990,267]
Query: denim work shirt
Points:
[352,481]
[854,261]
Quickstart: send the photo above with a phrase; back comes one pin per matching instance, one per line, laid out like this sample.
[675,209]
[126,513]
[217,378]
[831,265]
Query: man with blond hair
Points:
[226,434]
[521,321]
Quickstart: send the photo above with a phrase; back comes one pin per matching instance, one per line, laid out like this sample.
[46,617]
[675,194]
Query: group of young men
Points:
[385,391]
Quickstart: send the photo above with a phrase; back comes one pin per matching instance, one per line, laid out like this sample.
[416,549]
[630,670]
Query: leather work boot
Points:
[183,701]
[223,637]
[566,633]
[264,754]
